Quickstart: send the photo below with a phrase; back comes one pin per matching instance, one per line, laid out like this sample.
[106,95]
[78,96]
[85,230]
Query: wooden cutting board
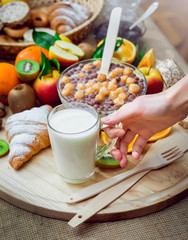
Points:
[38,188]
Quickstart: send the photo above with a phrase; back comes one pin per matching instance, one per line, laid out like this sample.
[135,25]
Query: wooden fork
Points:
[152,160]
[109,195]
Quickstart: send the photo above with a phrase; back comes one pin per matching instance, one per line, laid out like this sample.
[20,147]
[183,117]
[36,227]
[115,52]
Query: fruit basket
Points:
[10,50]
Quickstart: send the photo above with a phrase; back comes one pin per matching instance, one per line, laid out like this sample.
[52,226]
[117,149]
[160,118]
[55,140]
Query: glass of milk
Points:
[73,130]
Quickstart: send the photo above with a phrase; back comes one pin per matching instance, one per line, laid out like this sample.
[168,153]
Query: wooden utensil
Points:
[108,196]
[110,39]
[149,162]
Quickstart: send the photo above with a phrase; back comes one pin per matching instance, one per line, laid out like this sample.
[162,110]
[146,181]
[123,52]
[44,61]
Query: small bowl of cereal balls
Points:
[83,82]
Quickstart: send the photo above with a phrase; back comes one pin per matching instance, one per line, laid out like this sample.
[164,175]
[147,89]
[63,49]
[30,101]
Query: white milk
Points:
[74,143]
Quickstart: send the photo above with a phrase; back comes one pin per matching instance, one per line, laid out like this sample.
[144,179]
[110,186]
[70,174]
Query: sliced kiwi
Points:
[108,162]
[27,70]
[4,147]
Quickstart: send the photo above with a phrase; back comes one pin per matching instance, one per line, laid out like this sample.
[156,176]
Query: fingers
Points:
[114,132]
[120,115]
[138,146]
[118,155]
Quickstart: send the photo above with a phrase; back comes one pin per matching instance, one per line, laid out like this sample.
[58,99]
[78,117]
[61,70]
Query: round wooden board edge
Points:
[103,215]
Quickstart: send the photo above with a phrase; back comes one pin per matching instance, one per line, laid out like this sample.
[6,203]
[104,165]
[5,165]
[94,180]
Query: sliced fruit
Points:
[65,58]
[160,135]
[70,48]
[4,147]
[148,59]
[108,162]
[27,70]
[64,38]
[126,52]
[155,137]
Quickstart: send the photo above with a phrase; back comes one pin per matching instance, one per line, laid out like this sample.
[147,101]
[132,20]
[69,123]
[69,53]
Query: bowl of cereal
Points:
[82,82]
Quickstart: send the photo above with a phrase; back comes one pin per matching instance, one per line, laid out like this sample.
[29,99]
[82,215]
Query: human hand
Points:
[144,116]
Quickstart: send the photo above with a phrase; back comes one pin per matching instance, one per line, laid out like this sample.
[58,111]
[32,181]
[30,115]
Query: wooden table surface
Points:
[172,18]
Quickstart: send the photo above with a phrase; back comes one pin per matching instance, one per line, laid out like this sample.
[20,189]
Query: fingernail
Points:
[105,119]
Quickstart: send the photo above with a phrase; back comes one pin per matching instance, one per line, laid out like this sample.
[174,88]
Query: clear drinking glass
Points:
[73,130]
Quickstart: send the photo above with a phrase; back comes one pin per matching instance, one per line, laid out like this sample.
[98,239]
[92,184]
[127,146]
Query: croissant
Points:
[27,134]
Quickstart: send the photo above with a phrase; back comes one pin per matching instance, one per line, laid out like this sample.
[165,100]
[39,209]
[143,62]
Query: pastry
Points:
[27,134]
[64,16]
[14,13]
[39,18]
[15,32]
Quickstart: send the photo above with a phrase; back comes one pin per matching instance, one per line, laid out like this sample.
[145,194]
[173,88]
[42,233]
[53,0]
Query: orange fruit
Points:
[155,137]
[126,52]
[8,80]
[160,135]
[148,59]
[31,53]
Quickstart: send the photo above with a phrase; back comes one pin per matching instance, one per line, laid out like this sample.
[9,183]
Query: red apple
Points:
[64,57]
[154,80]
[46,88]
[70,48]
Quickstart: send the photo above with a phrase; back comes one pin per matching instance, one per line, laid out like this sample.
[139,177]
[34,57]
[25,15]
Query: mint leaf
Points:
[43,39]
[99,50]
[45,65]
[119,42]
[139,54]
[55,64]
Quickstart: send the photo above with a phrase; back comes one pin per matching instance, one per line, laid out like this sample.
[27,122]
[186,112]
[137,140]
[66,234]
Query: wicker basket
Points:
[10,50]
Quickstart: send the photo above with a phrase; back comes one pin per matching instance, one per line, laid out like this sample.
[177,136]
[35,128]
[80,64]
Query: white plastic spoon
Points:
[146,14]
[110,39]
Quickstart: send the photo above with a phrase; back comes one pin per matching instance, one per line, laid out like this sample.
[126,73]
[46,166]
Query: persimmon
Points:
[31,53]
[8,80]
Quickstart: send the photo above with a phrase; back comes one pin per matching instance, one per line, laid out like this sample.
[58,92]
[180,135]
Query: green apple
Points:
[154,80]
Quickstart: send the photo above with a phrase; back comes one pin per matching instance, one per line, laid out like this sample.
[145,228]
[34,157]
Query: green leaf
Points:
[45,65]
[139,54]
[99,50]
[56,37]
[55,64]
[45,40]
[119,42]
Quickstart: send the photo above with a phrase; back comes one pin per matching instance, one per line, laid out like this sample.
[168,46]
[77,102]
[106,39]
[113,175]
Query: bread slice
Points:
[15,13]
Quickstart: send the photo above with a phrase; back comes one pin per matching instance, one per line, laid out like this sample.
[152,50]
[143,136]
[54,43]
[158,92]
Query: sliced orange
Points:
[155,137]
[126,52]
[160,135]
[148,60]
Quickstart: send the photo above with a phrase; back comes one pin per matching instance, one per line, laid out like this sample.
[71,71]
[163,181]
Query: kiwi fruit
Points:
[4,147]
[21,98]
[108,162]
[88,50]
[27,70]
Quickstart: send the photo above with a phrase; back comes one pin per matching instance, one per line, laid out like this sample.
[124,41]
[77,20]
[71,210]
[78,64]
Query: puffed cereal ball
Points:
[122,96]
[119,102]
[89,90]
[120,90]
[97,63]
[65,79]
[87,67]
[127,71]
[113,94]
[79,94]
[65,92]
[104,84]
[100,97]
[104,91]
[69,86]
[81,74]
[101,77]
[112,86]
[115,72]
[123,78]
[89,84]
[96,86]
[81,86]
[134,88]
[130,80]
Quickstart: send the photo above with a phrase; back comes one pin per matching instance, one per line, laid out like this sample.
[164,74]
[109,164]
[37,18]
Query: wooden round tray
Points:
[38,188]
